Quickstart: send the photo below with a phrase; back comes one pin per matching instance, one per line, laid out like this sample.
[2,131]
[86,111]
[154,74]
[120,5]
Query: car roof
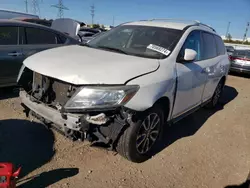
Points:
[19,23]
[11,22]
[172,24]
[164,24]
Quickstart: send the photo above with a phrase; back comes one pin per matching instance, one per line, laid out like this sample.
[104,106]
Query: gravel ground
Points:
[206,149]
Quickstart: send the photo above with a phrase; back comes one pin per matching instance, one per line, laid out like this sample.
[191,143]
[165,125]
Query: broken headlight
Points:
[101,97]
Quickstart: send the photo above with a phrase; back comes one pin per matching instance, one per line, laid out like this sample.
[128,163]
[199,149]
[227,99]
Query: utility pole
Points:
[113,21]
[228,26]
[35,7]
[60,8]
[92,13]
[26,5]
[245,34]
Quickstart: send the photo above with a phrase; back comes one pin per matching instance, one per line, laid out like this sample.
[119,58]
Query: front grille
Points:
[51,91]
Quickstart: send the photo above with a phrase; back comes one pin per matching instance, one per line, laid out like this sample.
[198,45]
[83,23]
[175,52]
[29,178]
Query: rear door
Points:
[11,56]
[36,39]
[213,61]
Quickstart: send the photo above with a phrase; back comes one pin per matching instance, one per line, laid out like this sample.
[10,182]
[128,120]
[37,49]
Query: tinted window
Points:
[209,46]
[220,46]
[61,39]
[8,35]
[193,42]
[88,34]
[39,36]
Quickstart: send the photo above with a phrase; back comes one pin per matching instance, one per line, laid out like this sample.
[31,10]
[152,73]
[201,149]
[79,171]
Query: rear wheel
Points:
[140,139]
[217,95]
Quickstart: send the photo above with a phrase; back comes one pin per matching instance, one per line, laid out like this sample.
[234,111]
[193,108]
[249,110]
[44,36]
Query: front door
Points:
[191,76]
[11,56]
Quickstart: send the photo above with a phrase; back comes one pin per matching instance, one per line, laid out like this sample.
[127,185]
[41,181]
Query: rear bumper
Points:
[50,115]
[239,68]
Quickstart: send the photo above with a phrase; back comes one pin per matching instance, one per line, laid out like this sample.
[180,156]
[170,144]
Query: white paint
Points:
[190,55]
[83,65]
[66,25]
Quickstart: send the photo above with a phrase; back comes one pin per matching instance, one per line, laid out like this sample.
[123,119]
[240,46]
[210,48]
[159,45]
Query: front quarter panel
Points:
[154,86]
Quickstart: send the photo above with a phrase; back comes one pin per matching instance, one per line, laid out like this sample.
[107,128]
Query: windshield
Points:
[143,41]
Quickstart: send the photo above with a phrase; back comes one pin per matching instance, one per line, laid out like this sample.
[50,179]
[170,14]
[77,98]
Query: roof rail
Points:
[193,22]
[174,19]
[208,26]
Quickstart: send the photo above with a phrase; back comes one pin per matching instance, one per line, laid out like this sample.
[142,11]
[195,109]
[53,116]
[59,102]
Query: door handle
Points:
[15,54]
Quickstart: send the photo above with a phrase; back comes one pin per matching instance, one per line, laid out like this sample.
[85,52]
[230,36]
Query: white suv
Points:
[124,86]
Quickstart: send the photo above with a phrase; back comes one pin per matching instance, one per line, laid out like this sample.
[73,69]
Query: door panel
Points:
[11,56]
[192,76]
[11,59]
[212,62]
[191,82]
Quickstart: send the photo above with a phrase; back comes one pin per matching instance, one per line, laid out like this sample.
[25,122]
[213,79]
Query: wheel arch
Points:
[164,104]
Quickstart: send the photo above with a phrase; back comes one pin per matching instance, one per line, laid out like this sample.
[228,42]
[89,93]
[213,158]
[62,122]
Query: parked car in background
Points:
[86,38]
[89,30]
[240,61]
[18,40]
[230,50]
[121,88]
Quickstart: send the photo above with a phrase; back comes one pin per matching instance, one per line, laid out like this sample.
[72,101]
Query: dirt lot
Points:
[206,149]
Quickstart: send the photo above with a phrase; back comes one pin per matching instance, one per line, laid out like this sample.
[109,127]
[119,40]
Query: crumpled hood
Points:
[83,65]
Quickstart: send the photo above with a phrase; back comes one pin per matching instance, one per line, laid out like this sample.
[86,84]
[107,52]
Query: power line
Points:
[245,34]
[35,7]
[228,26]
[60,8]
[92,12]
[26,6]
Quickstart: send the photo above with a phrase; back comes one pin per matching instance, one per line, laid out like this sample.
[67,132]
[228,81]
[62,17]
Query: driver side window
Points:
[193,42]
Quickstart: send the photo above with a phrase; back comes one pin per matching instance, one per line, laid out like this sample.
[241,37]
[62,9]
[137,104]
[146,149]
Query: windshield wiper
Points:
[112,49]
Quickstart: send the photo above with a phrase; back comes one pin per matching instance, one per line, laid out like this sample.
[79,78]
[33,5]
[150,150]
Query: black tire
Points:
[216,96]
[128,146]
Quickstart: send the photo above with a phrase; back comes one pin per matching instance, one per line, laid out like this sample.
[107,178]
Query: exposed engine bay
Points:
[49,95]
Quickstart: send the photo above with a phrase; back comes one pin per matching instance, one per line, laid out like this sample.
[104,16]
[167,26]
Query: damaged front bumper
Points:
[98,128]
[50,115]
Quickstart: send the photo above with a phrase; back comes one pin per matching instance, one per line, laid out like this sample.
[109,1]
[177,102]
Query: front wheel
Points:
[140,139]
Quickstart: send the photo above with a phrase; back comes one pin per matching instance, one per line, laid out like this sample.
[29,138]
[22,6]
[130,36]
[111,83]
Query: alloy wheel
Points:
[148,133]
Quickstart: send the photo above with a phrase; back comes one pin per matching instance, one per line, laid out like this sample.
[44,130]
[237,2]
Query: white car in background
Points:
[122,87]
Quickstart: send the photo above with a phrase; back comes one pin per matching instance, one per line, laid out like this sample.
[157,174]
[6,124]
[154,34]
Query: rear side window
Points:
[40,36]
[209,46]
[220,45]
[8,35]
[242,53]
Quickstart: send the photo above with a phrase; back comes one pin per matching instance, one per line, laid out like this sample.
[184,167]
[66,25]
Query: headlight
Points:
[101,97]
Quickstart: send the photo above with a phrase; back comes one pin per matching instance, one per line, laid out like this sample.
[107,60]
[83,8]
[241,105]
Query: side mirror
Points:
[189,55]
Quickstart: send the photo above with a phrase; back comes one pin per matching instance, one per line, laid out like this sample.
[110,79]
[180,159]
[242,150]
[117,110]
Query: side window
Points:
[221,49]
[61,39]
[193,42]
[40,36]
[209,46]
[8,35]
